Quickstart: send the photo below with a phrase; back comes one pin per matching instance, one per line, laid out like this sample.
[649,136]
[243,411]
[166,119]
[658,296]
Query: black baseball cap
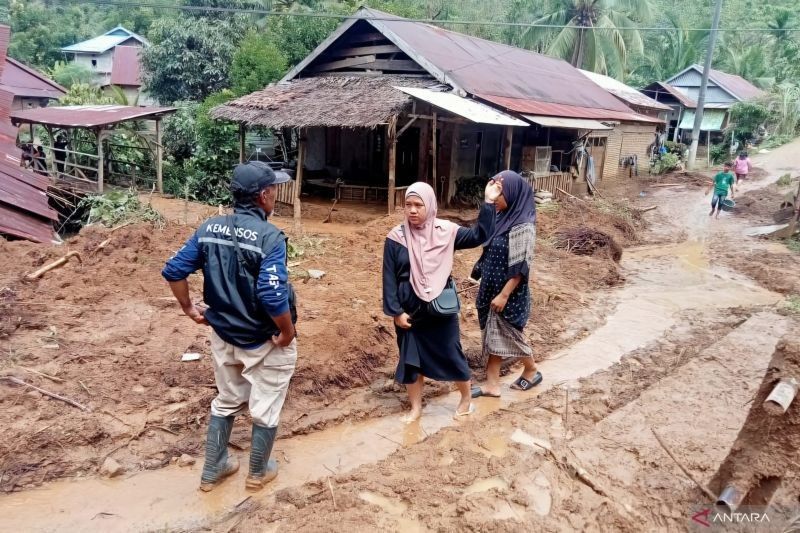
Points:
[251,177]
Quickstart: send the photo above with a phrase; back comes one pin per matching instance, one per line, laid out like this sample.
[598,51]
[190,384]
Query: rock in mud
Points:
[186,460]
[111,468]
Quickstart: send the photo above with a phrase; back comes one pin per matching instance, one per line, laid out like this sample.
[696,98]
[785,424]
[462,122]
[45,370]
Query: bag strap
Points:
[269,245]
[235,240]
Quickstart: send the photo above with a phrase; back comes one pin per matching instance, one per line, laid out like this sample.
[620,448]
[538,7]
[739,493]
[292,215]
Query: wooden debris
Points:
[562,191]
[583,240]
[667,184]
[55,264]
[100,246]
[328,218]
[646,209]
[688,474]
[73,403]
[333,496]
[32,371]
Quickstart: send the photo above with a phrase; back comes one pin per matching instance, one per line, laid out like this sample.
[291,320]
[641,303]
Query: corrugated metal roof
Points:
[125,69]
[22,80]
[88,116]
[485,67]
[738,86]
[624,92]
[660,86]
[464,107]
[532,107]
[24,210]
[105,42]
[568,123]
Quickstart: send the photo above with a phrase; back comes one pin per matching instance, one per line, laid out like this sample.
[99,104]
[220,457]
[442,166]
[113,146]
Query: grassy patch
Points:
[792,304]
[785,180]
[793,244]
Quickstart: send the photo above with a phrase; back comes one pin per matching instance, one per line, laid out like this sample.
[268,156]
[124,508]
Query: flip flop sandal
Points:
[467,413]
[477,392]
[526,385]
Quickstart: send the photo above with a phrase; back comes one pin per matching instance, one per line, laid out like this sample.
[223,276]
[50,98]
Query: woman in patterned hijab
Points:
[504,300]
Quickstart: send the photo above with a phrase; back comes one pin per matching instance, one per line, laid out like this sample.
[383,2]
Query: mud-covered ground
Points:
[107,334]
[652,367]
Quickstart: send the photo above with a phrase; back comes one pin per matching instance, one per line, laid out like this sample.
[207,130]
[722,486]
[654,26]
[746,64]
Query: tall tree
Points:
[189,58]
[597,35]
[670,52]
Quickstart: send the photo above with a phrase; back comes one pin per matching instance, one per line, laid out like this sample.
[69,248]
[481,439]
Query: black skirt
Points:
[432,347]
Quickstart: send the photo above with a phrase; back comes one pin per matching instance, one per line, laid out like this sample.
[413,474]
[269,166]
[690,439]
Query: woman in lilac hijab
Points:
[417,264]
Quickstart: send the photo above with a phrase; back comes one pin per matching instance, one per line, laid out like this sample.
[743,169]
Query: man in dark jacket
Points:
[251,314]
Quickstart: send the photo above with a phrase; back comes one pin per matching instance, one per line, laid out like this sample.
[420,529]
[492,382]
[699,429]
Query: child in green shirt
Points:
[722,182]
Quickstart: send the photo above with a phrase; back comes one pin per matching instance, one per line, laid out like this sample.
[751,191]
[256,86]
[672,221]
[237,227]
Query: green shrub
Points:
[720,152]
[116,207]
[785,180]
[676,148]
[667,162]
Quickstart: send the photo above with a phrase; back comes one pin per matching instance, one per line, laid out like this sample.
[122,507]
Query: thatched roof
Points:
[335,101]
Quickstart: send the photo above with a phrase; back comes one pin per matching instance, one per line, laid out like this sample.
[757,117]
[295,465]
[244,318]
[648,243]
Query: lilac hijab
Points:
[430,246]
[521,206]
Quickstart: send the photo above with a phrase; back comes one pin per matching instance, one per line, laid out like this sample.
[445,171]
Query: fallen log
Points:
[646,209]
[53,395]
[55,264]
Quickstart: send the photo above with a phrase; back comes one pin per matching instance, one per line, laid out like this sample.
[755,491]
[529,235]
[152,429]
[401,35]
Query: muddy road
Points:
[679,350]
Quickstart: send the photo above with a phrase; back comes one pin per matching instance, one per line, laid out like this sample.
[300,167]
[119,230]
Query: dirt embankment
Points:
[108,334]
[762,463]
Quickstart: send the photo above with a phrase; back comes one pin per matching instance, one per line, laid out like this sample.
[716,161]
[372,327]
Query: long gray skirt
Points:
[503,340]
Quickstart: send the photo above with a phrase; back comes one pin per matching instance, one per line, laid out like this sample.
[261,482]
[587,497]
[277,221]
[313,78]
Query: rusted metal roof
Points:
[87,116]
[490,70]
[736,85]
[485,67]
[125,68]
[659,87]
[22,80]
[531,107]
[24,209]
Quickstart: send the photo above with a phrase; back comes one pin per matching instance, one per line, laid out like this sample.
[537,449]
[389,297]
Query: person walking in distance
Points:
[742,166]
[251,311]
[723,182]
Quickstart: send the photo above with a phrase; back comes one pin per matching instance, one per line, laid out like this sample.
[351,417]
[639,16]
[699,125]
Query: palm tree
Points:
[741,56]
[593,34]
[781,25]
[671,51]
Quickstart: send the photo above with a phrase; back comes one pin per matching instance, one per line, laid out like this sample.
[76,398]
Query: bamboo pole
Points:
[509,138]
[391,140]
[301,153]
[434,146]
[100,161]
[159,158]
[241,142]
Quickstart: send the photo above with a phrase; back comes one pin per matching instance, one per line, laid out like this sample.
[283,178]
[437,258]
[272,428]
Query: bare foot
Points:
[412,416]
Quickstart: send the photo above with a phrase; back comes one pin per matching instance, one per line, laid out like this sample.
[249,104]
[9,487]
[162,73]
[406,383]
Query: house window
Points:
[94,62]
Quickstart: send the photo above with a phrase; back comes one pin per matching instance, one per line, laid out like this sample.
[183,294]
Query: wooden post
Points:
[434,158]
[31,128]
[100,161]
[391,141]
[159,158]
[453,171]
[241,142]
[507,148]
[298,180]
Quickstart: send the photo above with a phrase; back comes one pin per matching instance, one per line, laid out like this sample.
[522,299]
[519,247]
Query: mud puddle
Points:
[663,281]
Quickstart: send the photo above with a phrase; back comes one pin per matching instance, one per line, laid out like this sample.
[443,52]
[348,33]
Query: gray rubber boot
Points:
[218,464]
[262,468]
